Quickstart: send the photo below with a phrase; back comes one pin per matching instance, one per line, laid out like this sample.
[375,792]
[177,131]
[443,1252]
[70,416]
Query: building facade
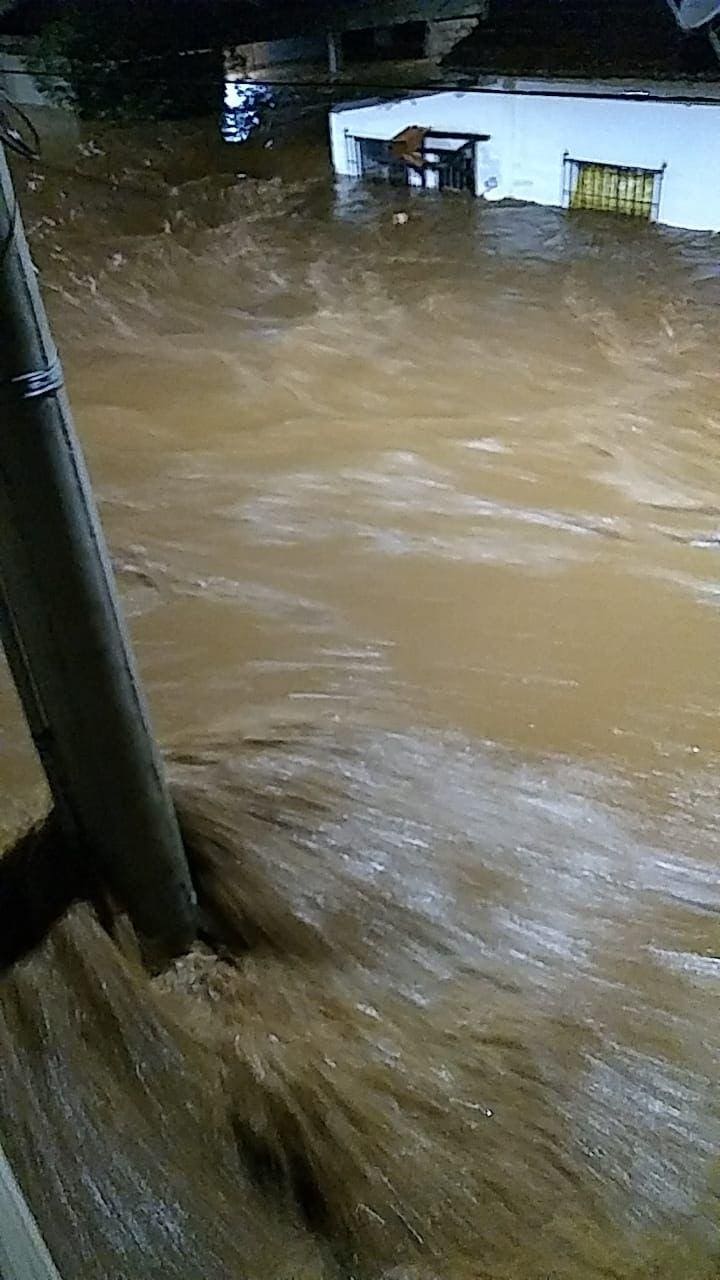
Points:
[651,152]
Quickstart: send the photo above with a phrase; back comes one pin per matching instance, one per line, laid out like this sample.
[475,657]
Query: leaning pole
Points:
[62,627]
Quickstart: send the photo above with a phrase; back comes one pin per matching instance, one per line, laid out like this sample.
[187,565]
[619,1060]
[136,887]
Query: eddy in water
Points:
[434,508]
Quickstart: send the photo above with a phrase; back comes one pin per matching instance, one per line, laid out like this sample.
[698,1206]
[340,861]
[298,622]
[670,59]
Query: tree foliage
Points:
[133,59]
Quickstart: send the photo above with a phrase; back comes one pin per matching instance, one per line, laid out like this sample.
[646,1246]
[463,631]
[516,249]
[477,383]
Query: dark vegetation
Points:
[159,59]
[584,37]
[124,59]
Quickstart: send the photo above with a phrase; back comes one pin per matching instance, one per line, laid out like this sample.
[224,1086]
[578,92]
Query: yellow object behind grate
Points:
[611,189]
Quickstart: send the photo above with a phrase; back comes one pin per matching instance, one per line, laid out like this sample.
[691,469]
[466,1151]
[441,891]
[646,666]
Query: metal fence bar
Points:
[374,160]
[606,188]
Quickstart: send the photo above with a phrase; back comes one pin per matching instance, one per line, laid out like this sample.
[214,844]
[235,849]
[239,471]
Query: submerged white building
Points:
[652,153]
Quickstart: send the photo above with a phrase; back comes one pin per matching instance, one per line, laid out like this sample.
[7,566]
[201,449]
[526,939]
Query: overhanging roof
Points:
[353,15]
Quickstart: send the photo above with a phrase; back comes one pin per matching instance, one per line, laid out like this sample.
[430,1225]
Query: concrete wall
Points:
[441,37]
[275,53]
[530,133]
[16,81]
[346,15]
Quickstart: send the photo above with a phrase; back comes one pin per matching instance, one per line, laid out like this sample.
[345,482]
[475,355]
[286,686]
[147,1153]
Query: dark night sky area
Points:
[561,36]
[191,17]
[585,37]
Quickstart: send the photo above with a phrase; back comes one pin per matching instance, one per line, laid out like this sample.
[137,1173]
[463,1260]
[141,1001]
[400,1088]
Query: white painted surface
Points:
[531,132]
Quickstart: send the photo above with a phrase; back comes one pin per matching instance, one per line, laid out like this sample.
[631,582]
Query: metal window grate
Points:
[458,173]
[612,188]
[374,159]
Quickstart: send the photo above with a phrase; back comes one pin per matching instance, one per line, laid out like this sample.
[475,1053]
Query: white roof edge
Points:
[401,94]
[337,107]
[688,90]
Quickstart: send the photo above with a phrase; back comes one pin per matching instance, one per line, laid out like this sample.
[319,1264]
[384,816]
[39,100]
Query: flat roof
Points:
[679,91]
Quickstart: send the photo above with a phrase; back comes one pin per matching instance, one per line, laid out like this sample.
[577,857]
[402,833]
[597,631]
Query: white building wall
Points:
[531,132]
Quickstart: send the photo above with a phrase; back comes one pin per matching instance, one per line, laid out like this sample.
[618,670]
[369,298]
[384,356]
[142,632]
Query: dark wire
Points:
[110,64]
[11,138]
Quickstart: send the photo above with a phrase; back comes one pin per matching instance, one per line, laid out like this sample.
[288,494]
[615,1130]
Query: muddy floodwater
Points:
[418,532]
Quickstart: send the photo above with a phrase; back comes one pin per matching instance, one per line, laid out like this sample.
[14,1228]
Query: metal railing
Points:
[373,158]
[612,188]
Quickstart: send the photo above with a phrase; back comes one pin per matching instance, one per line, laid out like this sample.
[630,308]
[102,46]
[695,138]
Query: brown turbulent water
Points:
[418,530]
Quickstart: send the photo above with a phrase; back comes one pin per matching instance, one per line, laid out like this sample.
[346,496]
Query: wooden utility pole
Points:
[62,628]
